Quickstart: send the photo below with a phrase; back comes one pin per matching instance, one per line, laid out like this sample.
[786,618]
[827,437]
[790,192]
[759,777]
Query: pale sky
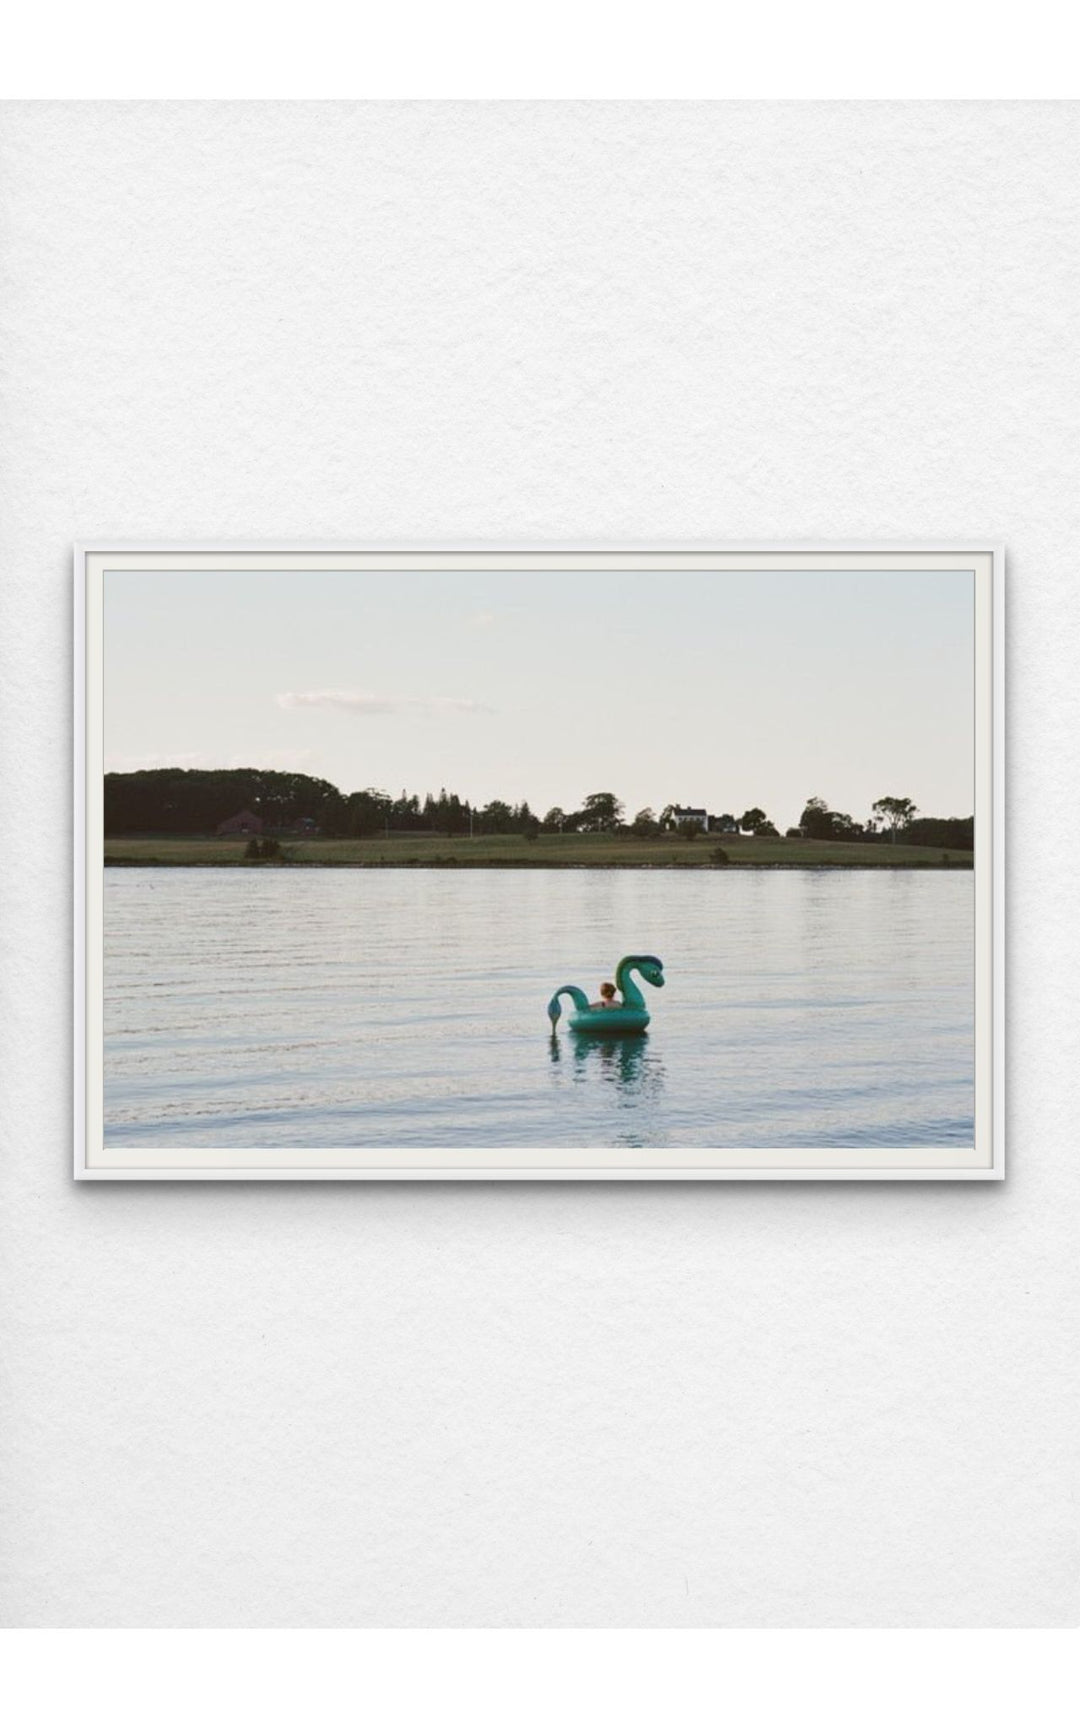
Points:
[719,689]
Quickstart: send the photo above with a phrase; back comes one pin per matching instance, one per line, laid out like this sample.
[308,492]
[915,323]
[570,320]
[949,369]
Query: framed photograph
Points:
[640,862]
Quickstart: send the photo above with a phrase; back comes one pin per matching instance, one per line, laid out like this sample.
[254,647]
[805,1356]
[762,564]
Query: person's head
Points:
[607,991]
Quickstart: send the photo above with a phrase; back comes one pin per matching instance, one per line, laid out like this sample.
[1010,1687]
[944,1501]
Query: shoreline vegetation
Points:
[269,819]
[412,851]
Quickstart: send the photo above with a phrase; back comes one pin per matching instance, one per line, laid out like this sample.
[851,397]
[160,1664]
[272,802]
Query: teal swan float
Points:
[630,1015]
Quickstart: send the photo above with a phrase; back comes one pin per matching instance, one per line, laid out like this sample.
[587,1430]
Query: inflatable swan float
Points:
[630,1015]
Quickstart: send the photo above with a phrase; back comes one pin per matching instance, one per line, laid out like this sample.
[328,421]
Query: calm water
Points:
[407,1008]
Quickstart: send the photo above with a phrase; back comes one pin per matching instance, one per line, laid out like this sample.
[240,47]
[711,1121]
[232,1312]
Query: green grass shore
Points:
[547,852]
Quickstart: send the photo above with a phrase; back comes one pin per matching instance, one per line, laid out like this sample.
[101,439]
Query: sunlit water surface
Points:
[406,1008]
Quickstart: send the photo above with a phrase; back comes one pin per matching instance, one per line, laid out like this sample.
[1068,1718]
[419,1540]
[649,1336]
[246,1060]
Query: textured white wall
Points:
[589,1406]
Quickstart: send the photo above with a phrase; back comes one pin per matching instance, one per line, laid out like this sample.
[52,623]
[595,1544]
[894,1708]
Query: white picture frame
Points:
[984,1161]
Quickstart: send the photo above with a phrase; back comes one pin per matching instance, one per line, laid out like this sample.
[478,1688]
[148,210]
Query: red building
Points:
[242,823]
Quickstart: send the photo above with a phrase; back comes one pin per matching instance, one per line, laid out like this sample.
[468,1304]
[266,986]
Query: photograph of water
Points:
[539,854]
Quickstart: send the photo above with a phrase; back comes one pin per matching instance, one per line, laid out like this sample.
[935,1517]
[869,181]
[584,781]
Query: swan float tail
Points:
[578,997]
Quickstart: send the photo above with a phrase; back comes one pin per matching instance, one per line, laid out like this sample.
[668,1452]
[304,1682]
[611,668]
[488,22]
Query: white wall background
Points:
[596,1406]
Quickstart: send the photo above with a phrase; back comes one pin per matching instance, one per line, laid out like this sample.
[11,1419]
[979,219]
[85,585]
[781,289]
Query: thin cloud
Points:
[363,704]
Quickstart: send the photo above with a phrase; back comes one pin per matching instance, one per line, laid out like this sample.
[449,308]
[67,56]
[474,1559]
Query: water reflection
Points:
[626,1063]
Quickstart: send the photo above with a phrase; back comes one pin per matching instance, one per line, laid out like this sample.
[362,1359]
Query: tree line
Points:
[196,800]
[890,819]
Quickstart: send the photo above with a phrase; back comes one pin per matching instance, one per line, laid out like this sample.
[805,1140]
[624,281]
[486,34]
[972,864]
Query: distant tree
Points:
[957,832]
[367,812]
[554,819]
[495,818]
[405,813]
[667,818]
[818,822]
[896,813]
[645,824]
[601,813]
[792,833]
[261,849]
[755,820]
[725,824]
[452,815]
